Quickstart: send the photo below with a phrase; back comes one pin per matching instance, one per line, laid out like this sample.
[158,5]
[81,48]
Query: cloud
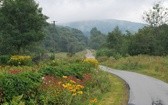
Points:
[76,10]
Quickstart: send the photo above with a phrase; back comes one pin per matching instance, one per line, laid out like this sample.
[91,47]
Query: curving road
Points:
[144,90]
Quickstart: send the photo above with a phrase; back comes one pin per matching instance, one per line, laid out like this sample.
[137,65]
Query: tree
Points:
[114,39]
[161,43]
[97,39]
[143,42]
[21,23]
[157,16]
[63,39]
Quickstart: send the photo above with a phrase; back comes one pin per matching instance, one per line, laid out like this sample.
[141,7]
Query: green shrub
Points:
[74,69]
[17,60]
[55,96]
[102,58]
[25,83]
[57,63]
[104,52]
[108,53]
[100,82]
[16,100]
[78,69]
[4,59]
[54,71]
[52,57]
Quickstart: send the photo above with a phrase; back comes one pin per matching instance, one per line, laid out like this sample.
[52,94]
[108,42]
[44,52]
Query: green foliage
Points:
[104,52]
[155,66]
[142,42]
[52,71]
[54,96]
[52,57]
[22,23]
[118,42]
[108,53]
[16,100]
[97,39]
[25,83]
[64,39]
[151,41]
[114,39]
[18,60]
[4,59]
[100,84]
[73,69]
[32,88]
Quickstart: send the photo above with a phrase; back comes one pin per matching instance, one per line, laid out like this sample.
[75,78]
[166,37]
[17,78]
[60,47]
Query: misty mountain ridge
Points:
[105,26]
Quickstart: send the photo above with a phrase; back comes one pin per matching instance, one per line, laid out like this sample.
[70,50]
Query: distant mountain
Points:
[104,26]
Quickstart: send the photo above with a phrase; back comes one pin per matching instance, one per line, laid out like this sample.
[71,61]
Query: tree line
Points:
[23,29]
[151,39]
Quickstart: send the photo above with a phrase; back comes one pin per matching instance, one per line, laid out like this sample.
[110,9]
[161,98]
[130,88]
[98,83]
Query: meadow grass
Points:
[155,66]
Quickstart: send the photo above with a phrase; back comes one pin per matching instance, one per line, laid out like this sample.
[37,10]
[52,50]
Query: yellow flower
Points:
[80,92]
[72,81]
[65,77]
[92,61]
[93,100]
[19,59]
[73,90]
[59,83]
[74,94]
[79,86]
[65,86]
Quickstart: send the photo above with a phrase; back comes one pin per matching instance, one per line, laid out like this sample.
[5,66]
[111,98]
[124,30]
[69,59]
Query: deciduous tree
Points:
[157,16]
[21,23]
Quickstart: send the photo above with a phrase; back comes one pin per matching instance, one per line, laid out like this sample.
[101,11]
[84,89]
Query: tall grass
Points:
[155,66]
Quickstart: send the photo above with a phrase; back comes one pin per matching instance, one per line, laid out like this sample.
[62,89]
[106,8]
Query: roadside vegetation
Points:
[118,94]
[155,66]
[62,80]
[143,52]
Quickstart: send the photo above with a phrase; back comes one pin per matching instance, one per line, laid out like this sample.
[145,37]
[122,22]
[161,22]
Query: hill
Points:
[104,26]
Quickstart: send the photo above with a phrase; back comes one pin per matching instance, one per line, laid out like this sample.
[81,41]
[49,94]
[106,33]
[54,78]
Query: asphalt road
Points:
[89,54]
[144,90]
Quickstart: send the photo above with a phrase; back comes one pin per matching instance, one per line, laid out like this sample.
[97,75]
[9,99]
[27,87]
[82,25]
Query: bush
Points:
[17,60]
[92,61]
[54,71]
[98,85]
[25,83]
[104,52]
[108,53]
[57,96]
[102,58]
[52,57]
[73,69]
[16,100]
[4,59]
[78,69]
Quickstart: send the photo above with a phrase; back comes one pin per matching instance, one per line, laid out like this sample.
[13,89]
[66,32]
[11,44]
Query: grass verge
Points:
[155,66]
[118,94]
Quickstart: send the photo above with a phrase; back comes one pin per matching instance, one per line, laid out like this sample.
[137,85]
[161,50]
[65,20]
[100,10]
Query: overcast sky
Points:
[77,10]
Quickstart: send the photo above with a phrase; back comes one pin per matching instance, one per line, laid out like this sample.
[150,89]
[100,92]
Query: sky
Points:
[64,11]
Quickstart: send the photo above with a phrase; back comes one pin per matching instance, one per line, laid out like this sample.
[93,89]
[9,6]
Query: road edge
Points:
[125,83]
